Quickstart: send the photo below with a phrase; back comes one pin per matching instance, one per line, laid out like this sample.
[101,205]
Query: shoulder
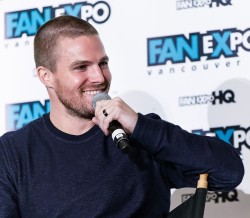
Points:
[22,133]
[148,117]
[153,116]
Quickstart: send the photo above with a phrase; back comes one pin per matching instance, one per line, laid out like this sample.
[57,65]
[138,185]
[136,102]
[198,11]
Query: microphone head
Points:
[99,97]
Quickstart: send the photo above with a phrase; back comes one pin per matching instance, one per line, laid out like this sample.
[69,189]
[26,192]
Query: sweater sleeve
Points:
[182,156]
[8,191]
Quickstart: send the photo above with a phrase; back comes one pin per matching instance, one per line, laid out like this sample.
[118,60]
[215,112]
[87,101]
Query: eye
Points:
[104,64]
[81,68]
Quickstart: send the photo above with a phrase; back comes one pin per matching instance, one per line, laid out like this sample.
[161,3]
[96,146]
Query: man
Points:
[65,164]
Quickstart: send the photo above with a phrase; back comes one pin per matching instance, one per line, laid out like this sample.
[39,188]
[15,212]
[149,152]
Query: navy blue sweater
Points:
[47,173]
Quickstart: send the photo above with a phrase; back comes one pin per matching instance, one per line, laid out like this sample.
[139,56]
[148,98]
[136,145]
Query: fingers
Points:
[115,109]
[102,115]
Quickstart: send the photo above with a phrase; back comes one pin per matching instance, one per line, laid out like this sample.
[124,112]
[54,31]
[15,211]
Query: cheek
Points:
[108,76]
[75,81]
[67,84]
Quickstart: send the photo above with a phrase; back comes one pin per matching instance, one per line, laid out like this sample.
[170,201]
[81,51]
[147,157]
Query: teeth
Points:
[92,92]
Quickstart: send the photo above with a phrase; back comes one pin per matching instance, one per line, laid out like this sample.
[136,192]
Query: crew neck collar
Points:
[67,136]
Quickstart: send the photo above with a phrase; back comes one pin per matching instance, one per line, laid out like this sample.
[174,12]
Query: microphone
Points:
[115,128]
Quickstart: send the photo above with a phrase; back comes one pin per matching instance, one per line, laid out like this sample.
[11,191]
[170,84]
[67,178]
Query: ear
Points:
[45,76]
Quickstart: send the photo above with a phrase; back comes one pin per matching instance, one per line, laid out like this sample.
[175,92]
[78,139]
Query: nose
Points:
[96,75]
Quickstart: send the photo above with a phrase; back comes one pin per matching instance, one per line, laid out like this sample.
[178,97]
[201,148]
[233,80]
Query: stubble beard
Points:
[76,108]
[75,105]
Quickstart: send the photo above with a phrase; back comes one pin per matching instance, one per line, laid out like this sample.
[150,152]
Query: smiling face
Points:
[81,72]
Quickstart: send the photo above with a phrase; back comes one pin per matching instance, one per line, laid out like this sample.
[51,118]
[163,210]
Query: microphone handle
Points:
[119,136]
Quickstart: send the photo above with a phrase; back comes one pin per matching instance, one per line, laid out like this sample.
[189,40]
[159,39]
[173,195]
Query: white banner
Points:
[188,61]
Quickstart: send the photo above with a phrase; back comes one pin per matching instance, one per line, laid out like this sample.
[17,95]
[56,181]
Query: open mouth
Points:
[94,92]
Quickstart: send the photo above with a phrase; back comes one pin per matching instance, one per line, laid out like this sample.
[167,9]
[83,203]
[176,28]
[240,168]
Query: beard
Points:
[74,103]
[76,108]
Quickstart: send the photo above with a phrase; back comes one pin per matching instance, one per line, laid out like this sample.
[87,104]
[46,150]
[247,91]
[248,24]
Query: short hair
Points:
[47,36]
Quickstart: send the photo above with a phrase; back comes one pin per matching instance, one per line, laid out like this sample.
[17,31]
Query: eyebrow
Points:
[105,58]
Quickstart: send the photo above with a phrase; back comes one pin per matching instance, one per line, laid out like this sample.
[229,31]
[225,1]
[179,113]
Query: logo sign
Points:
[211,45]
[197,51]
[235,135]
[217,197]
[189,4]
[28,21]
[217,97]
[20,114]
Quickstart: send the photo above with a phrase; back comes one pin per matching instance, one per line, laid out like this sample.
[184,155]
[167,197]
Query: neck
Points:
[70,124]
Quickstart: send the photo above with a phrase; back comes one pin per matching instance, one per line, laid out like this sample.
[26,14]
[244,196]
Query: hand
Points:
[118,110]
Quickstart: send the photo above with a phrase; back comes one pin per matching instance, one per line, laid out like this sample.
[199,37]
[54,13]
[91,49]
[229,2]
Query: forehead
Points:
[82,45]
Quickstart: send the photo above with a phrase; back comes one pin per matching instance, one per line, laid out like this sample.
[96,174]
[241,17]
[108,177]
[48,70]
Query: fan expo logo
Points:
[198,51]
[20,114]
[189,4]
[216,97]
[235,135]
[216,197]
[27,22]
